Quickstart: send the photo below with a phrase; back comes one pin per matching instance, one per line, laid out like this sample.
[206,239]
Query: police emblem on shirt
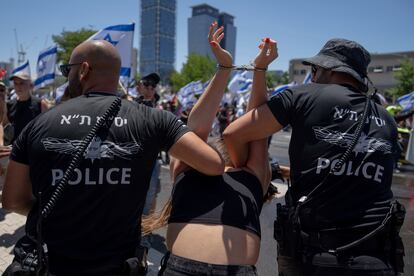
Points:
[97,149]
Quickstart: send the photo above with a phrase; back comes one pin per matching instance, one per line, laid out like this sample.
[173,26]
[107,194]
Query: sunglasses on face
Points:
[147,84]
[65,68]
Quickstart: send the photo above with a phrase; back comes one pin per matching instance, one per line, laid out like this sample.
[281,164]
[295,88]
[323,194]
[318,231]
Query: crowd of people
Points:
[85,204]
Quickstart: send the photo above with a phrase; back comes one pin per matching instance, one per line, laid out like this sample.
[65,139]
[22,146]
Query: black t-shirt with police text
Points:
[324,118]
[97,219]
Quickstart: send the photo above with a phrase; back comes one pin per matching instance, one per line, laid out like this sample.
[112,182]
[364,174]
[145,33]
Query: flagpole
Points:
[123,87]
[54,84]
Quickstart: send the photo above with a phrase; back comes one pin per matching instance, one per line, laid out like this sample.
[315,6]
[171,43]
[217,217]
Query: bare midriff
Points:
[214,244]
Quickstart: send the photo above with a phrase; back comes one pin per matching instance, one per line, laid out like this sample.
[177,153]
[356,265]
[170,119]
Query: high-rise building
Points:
[157,50]
[229,40]
[198,27]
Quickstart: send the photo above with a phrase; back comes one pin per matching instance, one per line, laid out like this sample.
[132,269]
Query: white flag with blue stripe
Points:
[60,91]
[192,88]
[308,78]
[122,37]
[282,88]
[22,69]
[186,95]
[46,63]
[241,82]
[406,102]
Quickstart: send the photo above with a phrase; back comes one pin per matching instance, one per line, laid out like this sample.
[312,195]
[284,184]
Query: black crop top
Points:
[234,198]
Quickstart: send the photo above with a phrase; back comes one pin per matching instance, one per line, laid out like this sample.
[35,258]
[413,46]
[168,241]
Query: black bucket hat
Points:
[342,55]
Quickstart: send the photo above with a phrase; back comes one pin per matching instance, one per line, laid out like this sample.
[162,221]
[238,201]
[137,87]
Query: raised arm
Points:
[203,113]
[258,159]
[258,123]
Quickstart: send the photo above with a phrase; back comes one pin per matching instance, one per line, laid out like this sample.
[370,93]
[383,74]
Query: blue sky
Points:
[300,27]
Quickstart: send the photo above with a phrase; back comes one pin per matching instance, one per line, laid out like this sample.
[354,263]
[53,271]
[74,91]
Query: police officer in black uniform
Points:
[94,226]
[336,206]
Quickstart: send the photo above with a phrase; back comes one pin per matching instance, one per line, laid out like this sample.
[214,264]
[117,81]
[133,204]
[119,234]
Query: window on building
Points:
[397,67]
[303,72]
[378,69]
[295,72]
[390,68]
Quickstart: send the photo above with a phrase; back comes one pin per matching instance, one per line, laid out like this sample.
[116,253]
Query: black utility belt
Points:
[383,241]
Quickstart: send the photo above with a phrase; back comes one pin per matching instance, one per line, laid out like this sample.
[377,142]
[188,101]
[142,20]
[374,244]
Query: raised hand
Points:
[215,35]
[268,53]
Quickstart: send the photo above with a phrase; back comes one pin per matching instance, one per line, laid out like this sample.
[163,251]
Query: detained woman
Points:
[213,222]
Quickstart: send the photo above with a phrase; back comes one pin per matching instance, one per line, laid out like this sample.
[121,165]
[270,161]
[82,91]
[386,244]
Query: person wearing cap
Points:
[148,96]
[356,198]
[147,90]
[25,107]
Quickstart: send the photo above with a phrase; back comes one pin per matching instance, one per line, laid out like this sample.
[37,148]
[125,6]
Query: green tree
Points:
[405,79]
[68,40]
[196,68]
[273,80]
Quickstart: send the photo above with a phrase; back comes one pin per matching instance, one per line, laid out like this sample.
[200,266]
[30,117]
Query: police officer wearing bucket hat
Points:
[355,198]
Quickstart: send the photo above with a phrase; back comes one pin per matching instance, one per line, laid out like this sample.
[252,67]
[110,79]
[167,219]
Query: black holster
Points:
[287,230]
[397,252]
[26,259]
[295,243]
[137,265]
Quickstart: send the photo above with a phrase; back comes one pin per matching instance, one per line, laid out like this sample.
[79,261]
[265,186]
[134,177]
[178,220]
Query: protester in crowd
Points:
[333,200]
[25,107]
[214,226]
[94,226]
[4,150]
[147,89]
[148,96]
[3,110]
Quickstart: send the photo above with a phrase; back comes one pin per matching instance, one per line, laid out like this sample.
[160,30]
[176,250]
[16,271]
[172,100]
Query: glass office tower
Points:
[198,26]
[157,50]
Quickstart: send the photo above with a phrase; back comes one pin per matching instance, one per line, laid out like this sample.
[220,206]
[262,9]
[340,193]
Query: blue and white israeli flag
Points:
[186,95]
[241,82]
[122,37]
[192,88]
[308,78]
[23,69]
[60,91]
[406,102]
[46,63]
[282,88]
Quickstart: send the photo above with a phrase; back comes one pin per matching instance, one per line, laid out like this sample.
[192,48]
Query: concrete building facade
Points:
[380,70]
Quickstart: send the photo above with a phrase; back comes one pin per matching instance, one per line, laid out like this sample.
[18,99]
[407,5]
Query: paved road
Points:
[11,225]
